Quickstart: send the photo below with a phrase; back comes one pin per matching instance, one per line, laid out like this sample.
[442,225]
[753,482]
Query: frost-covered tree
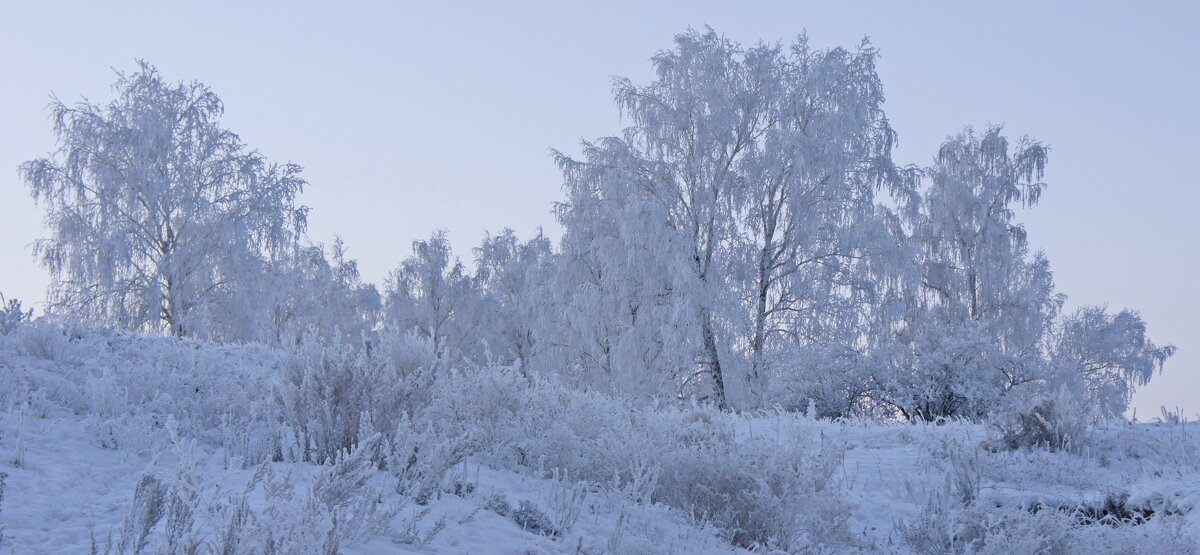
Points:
[320,292]
[511,276]
[619,320]
[978,280]
[1109,353]
[977,260]
[726,222]
[433,295]
[161,219]
[12,315]
[985,322]
[652,210]
[813,247]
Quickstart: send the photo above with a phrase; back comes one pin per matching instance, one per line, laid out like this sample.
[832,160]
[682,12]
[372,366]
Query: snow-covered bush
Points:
[144,513]
[323,392]
[834,380]
[1041,501]
[565,500]
[498,503]
[948,527]
[48,341]
[412,366]
[1056,422]
[757,491]
[343,503]
[532,519]
[130,385]
[333,397]
[539,424]
[421,458]
[953,371]
[330,393]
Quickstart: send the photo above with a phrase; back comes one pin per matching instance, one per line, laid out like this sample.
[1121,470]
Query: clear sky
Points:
[414,116]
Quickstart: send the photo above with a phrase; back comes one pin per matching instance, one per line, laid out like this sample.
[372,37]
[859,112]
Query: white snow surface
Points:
[69,488]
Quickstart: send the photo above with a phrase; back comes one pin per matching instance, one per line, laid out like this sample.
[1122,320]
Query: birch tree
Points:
[321,293]
[511,274]
[433,295]
[736,200]
[160,218]
[1110,354]
[981,319]
[978,265]
[810,228]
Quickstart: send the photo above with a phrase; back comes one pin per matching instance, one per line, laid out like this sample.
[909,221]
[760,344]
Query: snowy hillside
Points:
[122,443]
[757,332]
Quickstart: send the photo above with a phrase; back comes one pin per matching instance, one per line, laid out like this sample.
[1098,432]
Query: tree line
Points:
[746,241]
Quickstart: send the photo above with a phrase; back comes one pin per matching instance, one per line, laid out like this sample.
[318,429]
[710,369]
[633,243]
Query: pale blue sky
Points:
[414,116]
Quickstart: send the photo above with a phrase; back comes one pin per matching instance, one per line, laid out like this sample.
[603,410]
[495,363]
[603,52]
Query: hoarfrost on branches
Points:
[160,218]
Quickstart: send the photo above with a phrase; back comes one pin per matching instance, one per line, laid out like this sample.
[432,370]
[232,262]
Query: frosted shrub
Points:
[333,397]
[498,503]
[1059,422]
[410,368]
[149,500]
[566,500]
[759,492]
[343,504]
[495,406]
[833,380]
[1015,516]
[532,519]
[46,341]
[949,526]
[952,371]
[330,393]
[420,459]
[344,490]
[129,385]
[322,396]
[541,424]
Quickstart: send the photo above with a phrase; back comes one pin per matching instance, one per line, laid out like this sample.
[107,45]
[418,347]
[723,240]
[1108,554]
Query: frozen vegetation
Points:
[120,442]
[758,333]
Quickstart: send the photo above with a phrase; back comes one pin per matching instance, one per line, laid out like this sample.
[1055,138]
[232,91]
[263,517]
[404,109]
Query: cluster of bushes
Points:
[1129,490]
[390,408]
[759,492]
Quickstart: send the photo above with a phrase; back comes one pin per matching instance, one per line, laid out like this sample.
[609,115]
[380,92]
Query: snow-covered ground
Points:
[91,425]
[67,491]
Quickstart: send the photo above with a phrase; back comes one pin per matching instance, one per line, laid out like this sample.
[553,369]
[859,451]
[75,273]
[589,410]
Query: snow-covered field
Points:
[112,442]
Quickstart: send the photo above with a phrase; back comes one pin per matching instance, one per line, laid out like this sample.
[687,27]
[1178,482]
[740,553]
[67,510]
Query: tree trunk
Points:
[714,363]
[758,341]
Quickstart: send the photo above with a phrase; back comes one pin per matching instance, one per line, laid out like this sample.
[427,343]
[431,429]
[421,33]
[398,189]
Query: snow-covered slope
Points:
[110,441]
